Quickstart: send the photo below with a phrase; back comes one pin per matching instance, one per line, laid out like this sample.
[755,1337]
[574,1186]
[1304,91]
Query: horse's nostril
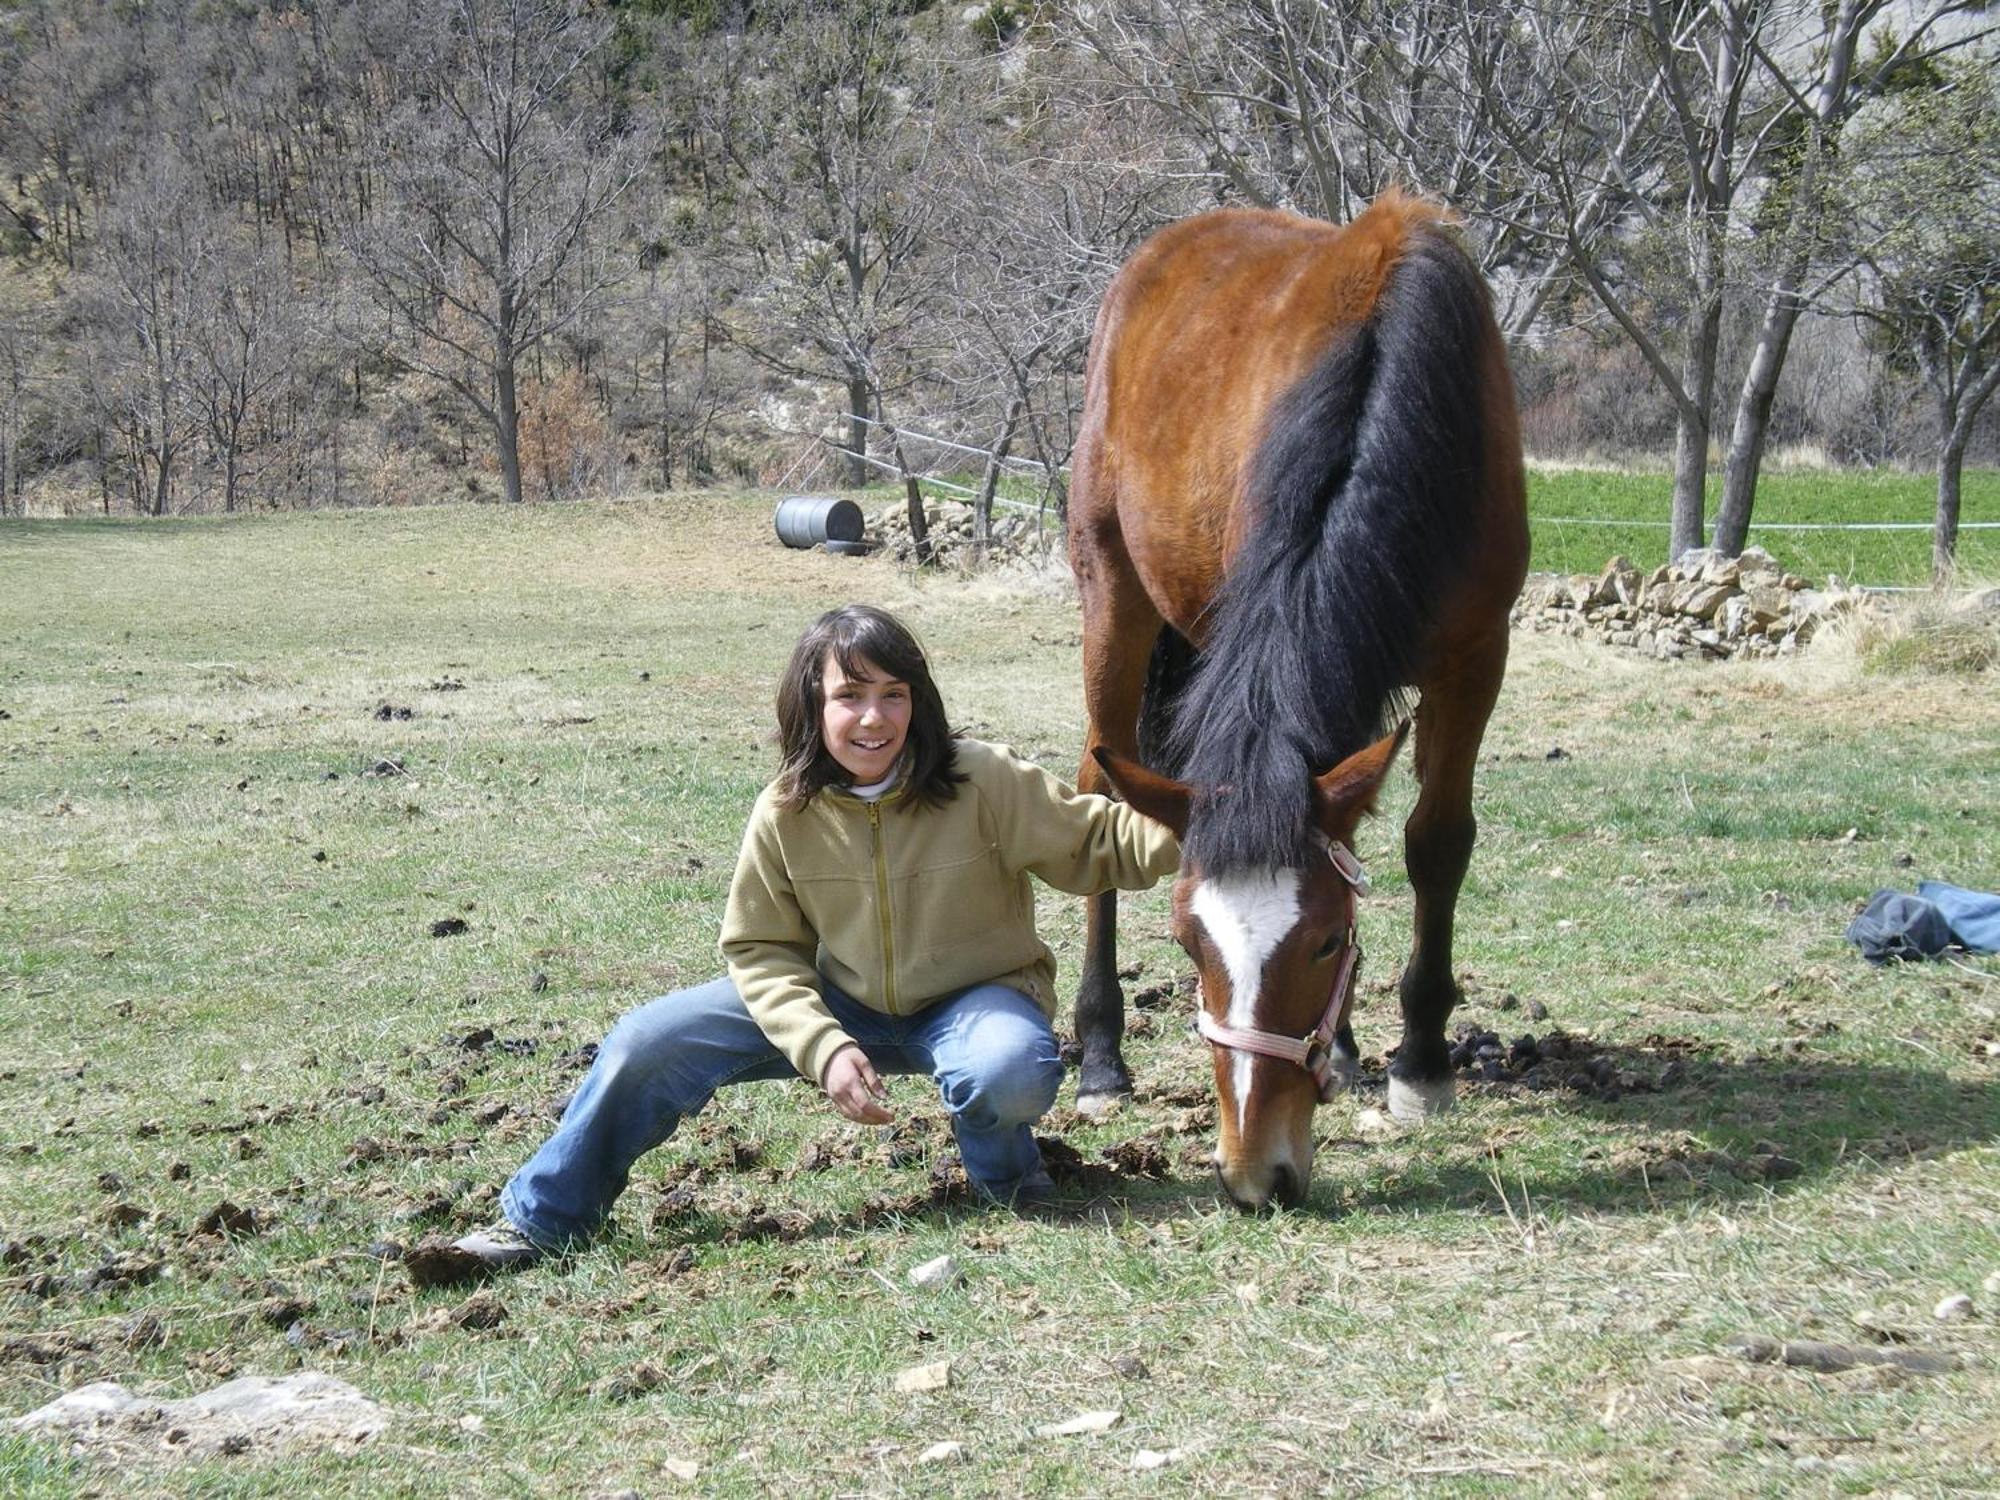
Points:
[1286,1186]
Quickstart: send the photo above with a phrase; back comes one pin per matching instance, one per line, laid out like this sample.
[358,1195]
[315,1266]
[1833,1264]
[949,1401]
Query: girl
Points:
[880,921]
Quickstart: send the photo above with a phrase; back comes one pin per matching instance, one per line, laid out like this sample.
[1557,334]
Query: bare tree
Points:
[148,269]
[1926,191]
[1036,221]
[498,186]
[1820,81]
[829,120]
[1317,107]
[245,329]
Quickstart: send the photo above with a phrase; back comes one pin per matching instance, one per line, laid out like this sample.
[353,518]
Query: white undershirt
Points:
[877,789]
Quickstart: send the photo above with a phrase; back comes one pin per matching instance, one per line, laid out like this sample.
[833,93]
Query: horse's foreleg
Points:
[1120,626]
[1101,1077]
[1437,848]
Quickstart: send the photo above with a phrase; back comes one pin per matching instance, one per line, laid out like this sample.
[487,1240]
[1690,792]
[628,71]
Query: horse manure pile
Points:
[1704,607]
[1572,1064]
[950,528]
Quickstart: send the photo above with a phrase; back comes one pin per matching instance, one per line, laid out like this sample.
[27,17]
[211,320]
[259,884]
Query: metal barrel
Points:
[808,520]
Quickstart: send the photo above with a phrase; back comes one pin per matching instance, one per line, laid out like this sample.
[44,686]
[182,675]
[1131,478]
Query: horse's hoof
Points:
[1097,1106]
[1412,1102]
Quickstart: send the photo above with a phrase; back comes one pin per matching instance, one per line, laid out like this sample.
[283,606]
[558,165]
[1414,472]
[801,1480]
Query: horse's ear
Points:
[1160,798]
[1348,790]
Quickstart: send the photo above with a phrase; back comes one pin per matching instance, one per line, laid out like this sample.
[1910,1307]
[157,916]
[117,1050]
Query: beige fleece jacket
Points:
[899,904]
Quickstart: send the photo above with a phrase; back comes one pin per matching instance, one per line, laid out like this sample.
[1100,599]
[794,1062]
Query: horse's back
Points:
[1212,321]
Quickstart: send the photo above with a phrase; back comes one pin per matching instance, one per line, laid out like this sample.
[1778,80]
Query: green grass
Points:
[201,1006]
[1574,516]
[1581,517]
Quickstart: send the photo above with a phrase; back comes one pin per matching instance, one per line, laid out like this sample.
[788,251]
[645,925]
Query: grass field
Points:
[220,986]
[1584,516]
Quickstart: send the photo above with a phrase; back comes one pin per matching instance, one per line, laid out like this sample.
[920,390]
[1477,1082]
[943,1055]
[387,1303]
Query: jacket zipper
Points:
[882,908]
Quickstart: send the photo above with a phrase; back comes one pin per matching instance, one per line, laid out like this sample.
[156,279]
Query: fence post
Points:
[920,532]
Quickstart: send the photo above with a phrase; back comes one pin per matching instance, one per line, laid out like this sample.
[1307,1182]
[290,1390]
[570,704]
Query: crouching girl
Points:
[880,921]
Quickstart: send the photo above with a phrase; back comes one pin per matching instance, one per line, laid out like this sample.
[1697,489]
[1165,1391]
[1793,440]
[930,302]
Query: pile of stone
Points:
[1705,606]
[950,526]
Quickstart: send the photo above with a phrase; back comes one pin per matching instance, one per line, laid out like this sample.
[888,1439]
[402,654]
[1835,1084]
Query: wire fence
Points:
[1862,554]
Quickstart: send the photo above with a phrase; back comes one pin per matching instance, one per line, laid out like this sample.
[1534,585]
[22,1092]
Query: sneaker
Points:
[1031,1191]
[501,1246]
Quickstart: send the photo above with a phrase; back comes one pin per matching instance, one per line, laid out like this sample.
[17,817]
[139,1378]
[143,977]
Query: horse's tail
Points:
[1168,670]
[1365,500]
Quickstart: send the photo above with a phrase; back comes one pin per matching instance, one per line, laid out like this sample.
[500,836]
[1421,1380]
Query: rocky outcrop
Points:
[1705,606]
[950,525]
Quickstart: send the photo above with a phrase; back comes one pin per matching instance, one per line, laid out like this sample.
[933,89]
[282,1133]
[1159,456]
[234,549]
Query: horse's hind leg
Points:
[1120,626]
[1437,848]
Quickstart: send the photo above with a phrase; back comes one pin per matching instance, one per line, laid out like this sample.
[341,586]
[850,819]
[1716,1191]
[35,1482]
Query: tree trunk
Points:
[1691,431]
[1944,531]
[982,508]
[1753,424]
[858,397]
[507,426]
[666,412]
[920,532]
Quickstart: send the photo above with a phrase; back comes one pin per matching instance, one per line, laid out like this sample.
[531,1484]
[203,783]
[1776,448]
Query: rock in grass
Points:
[1082,1424]
[936,1274]
[942,1453]
[1953,1309]
[919,1378]
[1830,1359]
[303,1410]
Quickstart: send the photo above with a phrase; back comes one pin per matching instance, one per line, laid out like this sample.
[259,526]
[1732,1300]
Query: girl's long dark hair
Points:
[862,639]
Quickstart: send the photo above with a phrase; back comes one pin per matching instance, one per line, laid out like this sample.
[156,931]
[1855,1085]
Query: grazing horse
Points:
[1297,498]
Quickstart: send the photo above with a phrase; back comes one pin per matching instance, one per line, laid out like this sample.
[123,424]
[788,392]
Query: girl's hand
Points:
[856,1089]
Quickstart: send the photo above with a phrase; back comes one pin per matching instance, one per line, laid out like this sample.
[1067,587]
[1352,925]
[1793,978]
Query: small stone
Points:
[1083,1424]
[1953,1309]
[1991,1283]
[919,1378]
[935,1274]
[1536,1011]
[1149,1458]
[942,1453]
[1131,1367]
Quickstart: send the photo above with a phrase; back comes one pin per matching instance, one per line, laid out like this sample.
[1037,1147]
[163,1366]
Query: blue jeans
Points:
[990,1049]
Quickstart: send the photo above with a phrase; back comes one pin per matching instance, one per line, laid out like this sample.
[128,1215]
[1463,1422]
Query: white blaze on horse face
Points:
[1247,914]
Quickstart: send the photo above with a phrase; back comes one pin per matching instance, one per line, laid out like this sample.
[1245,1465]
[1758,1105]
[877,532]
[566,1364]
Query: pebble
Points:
[1953,1308]
[1992,1282]
[941,1272]
[942,1453]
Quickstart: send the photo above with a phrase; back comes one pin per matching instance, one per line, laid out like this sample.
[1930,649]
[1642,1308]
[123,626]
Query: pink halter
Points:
[1314,1051]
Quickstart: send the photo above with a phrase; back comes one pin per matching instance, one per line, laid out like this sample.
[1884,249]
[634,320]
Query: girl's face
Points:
[864,719]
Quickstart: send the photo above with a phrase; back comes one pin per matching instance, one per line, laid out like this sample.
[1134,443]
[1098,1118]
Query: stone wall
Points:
[1705,606]
[950,526]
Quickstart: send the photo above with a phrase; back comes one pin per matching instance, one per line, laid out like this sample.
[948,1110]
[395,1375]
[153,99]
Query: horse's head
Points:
[1275,952]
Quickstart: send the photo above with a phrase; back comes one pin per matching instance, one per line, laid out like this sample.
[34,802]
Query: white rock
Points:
[1991,1283]
[918,1378]
[302,1410]
[941,1272]
[1082,1424]
[942,1453]
[1147,1458]
[1953,1308]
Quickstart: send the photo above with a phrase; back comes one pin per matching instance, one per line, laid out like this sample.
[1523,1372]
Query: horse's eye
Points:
[1336,940]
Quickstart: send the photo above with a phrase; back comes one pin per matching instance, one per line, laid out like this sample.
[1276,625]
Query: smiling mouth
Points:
[870,744]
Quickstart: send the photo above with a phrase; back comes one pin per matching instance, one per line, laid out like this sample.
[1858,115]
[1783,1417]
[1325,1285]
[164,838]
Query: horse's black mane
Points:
[1363,488]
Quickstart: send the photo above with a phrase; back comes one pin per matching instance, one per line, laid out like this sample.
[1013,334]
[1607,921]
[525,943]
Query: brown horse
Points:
[1298,496]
